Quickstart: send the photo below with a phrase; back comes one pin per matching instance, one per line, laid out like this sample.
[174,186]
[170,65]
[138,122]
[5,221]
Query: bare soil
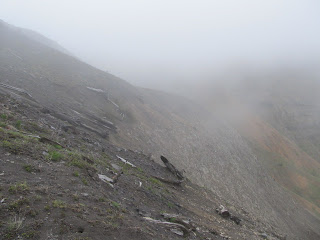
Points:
[50,192]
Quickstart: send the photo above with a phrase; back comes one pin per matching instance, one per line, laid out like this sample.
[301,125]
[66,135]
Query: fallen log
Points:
[49,141]
[106,179]
[168,181]
[59,116]
[175,226]
[101,134]
[180,220]
[172,168]
[20,90]
[73,123]
[125,161]
[106,123]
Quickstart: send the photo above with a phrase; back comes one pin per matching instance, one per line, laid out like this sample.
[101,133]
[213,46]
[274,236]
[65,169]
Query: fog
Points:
[162,44]
[250,67]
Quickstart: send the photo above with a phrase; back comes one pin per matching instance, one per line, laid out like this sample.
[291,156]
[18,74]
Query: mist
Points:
[242,124]
[171,45]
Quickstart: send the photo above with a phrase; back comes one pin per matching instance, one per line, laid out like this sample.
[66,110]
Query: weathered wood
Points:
[101,134]
[60,116]
[125,161]
[180,220]
[106,179]
[20,90]
[49,141]
[74,123]
[103,122]
[20,97]
[172,168]
[171,225]
[168,181]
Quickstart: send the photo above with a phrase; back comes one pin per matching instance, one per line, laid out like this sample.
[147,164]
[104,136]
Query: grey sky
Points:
[147,40]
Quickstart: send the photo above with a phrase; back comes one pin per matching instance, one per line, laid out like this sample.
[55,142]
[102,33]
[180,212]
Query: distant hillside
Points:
[279,115]
[37,37]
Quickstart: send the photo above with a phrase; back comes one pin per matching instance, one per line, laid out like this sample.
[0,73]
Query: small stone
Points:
[264,235]
[116,167]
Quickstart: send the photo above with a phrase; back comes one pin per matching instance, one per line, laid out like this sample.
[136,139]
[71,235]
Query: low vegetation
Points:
[19,188]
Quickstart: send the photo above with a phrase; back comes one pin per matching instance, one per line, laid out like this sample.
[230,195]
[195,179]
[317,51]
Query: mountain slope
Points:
[289,105]
[74,185]
[212,153]
[279,116]
[37,37]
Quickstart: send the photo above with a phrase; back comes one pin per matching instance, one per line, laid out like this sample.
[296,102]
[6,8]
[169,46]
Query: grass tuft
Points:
[18,124]
[59,204]
[55,156]
[28,168]
[19,188]
[115,204]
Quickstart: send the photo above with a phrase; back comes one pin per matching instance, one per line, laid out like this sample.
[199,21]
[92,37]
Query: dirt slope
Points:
[279,117]
[52,190]
[215,155]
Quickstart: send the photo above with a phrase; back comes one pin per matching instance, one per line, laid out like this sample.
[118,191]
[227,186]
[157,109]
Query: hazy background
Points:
[161,44]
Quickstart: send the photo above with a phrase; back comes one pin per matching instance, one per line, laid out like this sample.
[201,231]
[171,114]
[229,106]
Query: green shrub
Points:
[55,156]
[18,124]
[115,204]
[28,168]
[57,146]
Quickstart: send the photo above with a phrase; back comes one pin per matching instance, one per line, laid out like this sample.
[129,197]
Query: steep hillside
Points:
[212,153]
[37,37]
[290,102]
[279,116]
[59,183]
[288,164]
[289,105]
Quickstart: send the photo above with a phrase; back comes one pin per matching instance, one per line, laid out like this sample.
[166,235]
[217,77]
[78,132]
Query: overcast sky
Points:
[147,41]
